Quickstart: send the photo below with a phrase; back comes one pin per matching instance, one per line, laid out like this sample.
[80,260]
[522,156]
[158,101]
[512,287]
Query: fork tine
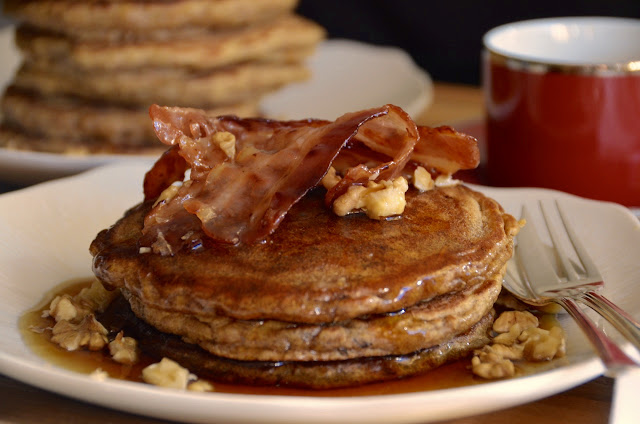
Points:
[530,246]
[569,269]
[531,270]
[584,257]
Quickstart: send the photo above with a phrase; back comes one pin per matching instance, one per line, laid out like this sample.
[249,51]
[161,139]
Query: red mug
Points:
[563,106]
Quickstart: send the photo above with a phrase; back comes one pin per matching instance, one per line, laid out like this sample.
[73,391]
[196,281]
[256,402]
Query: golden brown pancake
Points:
[83,16]
[237,249]
[325,301]
[206,89]
[303,374]
[318,267]
[289,38]
[64,124]
[417,327]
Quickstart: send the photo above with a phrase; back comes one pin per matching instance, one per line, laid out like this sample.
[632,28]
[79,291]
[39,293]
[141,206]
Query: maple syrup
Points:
[451,375]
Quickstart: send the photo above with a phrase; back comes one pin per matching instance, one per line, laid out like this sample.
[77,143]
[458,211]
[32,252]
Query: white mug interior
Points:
[580,41]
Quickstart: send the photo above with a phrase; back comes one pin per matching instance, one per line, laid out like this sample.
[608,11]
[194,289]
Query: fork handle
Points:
[613,358]
[621,320]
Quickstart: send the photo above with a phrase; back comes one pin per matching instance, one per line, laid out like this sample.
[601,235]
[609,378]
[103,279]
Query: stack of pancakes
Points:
[92,68]
[326,301]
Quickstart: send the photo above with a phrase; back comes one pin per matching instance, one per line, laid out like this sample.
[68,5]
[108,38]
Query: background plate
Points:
[45,233]
[346,76]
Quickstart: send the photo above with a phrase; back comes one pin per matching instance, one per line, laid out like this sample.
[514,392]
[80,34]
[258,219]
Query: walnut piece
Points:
[88,333]
[377,200]
[90,300]
[500,368]
[543,345]
[422,179]
[99,375]
[519,338]
[200,386]
[510,337]
[513,353]
[95,298]
[507,319]
[445,181]
[167,373]
[226,141]
[330,179]
[63,308]
[124,350]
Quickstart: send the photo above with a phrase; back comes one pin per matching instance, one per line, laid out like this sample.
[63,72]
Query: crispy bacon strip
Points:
[392,138]
[169,168]
[446,150]
[243,198]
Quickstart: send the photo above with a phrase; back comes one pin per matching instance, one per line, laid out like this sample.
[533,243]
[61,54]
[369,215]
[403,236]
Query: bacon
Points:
[242,198]
[169,168]
[446,150]
[392,137]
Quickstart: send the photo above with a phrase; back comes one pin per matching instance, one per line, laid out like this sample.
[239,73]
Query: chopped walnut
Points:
[95,298]
[330,179]
[124,350]
[168,193]
[508,318]
[200,386]
[99,375]
[509,338]
[497,352]
[167,373]
[226,141]
[422,179]
[37,329]
[501,368]
[513,353]
[377,200]
[445,181]
[543,345]
[63,308]
[532,334]
[73,309]
[89,332]
[519,338]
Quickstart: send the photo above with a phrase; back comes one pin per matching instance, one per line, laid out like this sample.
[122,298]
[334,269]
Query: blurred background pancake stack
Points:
[92,68]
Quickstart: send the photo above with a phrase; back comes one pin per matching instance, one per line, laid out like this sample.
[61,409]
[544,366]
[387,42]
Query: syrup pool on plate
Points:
[454,374]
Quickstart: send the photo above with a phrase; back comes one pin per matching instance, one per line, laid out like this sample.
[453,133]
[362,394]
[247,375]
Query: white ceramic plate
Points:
[346,76]
[45,231]
[349,76]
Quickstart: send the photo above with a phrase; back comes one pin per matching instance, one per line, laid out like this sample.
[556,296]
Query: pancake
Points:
[418,327]
[247,272]
[309,374]
[72,16]
[91,69]
[289,38]
[14,138]
[143,87]
[64,124]
[447,239]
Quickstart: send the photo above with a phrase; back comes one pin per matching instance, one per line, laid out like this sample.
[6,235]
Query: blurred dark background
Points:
[445,37]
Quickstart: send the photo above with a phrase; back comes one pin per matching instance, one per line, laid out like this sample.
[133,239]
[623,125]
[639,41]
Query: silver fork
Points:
[532,278]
